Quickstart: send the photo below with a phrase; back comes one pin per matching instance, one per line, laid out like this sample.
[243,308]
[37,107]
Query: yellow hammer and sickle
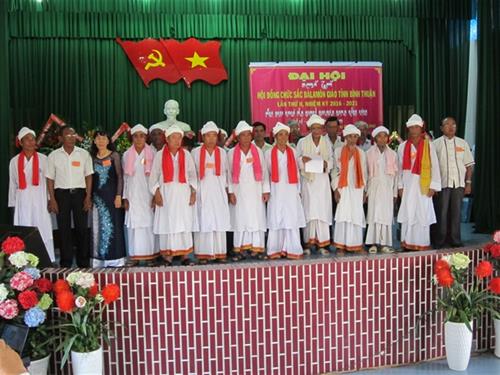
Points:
[156,60]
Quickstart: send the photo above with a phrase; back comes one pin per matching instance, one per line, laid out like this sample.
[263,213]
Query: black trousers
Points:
[71,201]
[449,204]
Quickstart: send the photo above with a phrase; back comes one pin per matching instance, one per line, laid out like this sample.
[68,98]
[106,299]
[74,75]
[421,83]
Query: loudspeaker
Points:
[32,240]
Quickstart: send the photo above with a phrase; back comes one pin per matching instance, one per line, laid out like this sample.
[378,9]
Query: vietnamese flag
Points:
[196,60]
[150,60]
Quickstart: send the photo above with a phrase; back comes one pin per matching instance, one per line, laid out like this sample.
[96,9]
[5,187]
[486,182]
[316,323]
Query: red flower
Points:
[12,245]
[487,247]
[484,269]
[43,285]
[110,292]
[93,290]
[27,299]
[495,285]
[495,250]
[65,300]
[61,286]
[445,278]
[441,264]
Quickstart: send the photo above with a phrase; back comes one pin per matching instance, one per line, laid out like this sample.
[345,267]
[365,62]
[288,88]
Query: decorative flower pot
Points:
[87,363]
[497,337]
[39,366]
[458,343]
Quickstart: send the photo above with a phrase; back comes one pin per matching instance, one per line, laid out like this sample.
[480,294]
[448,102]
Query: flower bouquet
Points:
[25,296]
[82,305]
[493,250]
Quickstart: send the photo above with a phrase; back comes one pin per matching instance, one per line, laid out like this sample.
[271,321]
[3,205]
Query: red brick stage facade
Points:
[279,317]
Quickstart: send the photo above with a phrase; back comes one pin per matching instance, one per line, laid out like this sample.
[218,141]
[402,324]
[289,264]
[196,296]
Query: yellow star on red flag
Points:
[197,60]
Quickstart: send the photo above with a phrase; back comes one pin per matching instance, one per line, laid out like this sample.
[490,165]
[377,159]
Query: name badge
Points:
[459,149]
[413,155]
[249,160]
[143,161]
[106,163]
[75,163]
[210,165]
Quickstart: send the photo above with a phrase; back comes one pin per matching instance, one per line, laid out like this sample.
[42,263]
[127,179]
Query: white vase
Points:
[458,343]
[90,363]
[39,366]
[497,337]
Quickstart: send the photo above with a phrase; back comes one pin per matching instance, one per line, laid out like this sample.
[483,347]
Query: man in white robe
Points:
[285,214]
[137,199]
[382,165]
[419,179]
[212,200]
[315,185]
[157,137]
[349,187]
[28,189]
[248,193]
[173,183]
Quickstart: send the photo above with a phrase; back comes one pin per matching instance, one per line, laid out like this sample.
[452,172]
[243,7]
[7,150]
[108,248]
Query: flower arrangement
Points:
[460,301]
[493,250]
[82,304]
[25,296]
[395,140]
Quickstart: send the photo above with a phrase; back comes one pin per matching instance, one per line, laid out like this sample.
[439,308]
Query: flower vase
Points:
[87,363]
[497,337]
[458,343]
[39,366]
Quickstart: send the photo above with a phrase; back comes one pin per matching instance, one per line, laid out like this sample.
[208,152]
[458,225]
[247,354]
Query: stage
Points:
[308,316]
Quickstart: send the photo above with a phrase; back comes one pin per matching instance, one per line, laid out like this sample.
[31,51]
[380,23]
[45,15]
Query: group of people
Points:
[160,200]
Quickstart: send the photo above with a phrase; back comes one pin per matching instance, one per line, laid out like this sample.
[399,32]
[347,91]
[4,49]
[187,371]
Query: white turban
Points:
[315,119]
[378,130]
[138,128]
[279,127]
[415,120]
[209,127]
[351,129]
[173,129]
[242,126]
[223,132]
[156,126]
[25,131]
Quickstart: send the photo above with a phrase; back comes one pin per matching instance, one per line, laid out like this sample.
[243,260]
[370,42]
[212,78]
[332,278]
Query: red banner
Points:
[294,91]
[171,60]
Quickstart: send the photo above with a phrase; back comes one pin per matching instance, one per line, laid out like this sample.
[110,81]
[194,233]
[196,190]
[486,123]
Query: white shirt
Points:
[264,148]
[454,157]
[69,170]
[338,142]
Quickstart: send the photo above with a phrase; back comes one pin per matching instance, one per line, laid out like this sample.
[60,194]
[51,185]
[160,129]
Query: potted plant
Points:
[25,297]
[462,302]
[82,305]
[493,249]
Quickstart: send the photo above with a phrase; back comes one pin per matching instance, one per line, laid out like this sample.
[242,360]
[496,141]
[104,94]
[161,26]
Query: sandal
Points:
[187,262]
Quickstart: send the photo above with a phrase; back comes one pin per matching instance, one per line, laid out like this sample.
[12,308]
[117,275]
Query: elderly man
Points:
[419,180]
[349,186]
[456,163]
[316,195]
[364,141]
[248,192]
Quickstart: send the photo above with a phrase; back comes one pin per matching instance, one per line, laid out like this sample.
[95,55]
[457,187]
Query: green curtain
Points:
[487,172]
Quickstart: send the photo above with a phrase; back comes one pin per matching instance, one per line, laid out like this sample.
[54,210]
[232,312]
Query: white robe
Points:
[416,212]
[382,189]
[285,214]
[248,215]
[30,204]
[140,215]
[175,221]
[349,217]
[316,198]
[213,207]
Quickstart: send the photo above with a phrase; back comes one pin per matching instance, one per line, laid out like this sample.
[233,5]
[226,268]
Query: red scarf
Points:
[344,167]
[257,166]
[417,166]
[20,170]
[168,165]
[203,155]
[291,165]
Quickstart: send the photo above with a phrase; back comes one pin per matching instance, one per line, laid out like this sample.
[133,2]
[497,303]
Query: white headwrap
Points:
[223,132]
[138,128]
[380,129]
[415,120]
[209,127]
[25,131]
[315,119]
[242,126]
[279,127]
[350,129]
[173,129]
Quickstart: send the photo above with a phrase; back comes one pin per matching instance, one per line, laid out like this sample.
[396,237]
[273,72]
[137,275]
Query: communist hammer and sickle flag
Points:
[151,60]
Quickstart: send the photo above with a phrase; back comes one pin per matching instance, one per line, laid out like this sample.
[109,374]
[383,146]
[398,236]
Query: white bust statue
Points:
[171,110]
